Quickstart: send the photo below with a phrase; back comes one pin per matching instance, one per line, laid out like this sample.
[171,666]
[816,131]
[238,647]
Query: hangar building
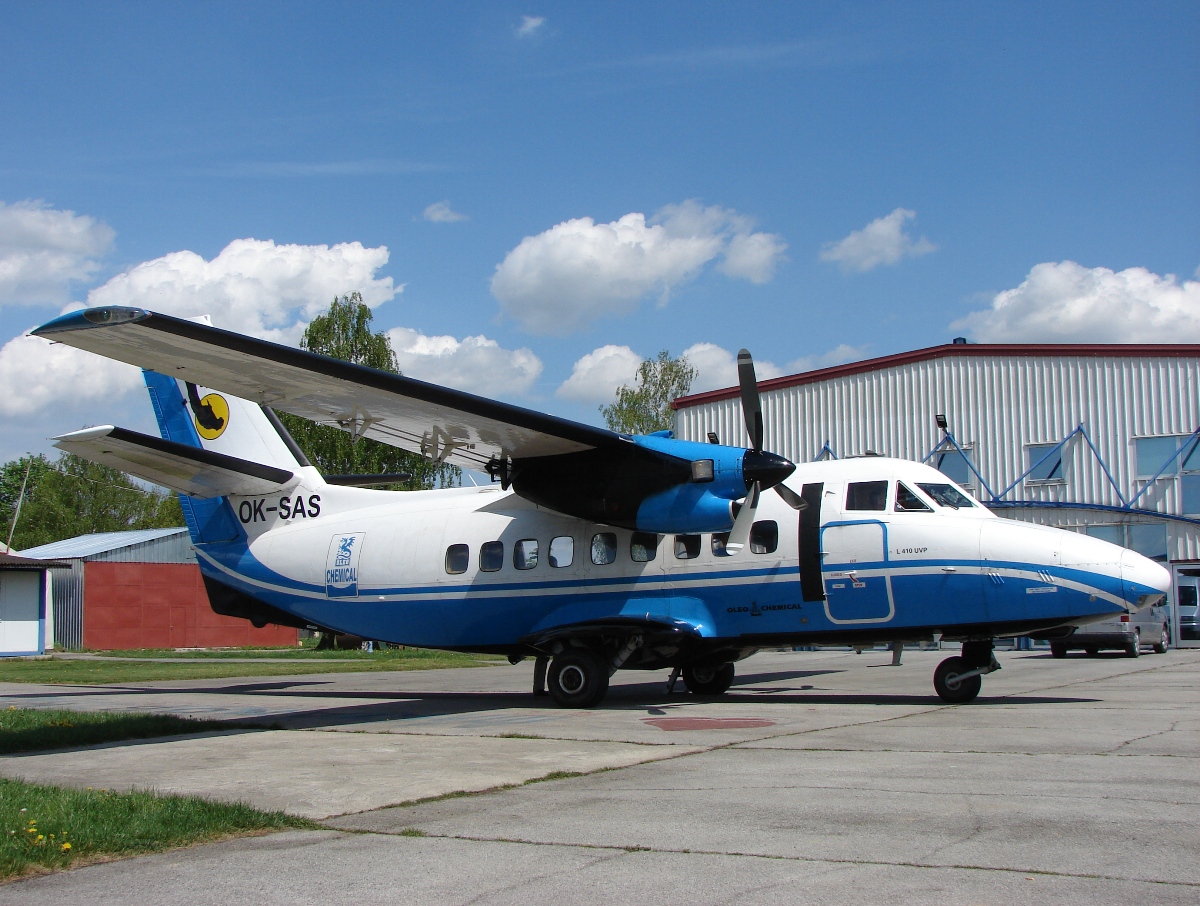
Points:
[1101,439]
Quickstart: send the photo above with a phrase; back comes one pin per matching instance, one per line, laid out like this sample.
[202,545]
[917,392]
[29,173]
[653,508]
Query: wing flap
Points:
[442,424]
[189,470]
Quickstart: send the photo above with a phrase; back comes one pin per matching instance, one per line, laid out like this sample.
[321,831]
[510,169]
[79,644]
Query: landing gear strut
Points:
[958,680]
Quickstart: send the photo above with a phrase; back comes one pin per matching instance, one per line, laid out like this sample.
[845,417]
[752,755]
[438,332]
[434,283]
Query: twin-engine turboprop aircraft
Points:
[592,551]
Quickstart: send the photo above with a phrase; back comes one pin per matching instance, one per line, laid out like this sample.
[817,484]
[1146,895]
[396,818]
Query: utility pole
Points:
[17,511]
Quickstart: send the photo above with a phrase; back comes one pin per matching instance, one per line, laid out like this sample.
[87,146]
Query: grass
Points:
[36,730]
[44,828]
[104,670]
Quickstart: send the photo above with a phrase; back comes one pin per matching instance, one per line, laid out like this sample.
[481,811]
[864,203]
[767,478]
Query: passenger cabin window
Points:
[525,553]
[457,558]
[643,547]
[562,551]
[953,464]
[687,547]
[604,548]
[764,537]
[491,556]
[946,495]
[720,544]
[866,495]
[908,502]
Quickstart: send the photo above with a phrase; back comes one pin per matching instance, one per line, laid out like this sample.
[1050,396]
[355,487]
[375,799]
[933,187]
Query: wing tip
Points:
[88,318]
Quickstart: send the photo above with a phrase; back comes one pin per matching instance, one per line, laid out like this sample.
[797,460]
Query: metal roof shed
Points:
[163,545]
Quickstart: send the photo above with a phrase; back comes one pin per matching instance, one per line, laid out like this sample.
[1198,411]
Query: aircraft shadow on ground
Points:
[645,697]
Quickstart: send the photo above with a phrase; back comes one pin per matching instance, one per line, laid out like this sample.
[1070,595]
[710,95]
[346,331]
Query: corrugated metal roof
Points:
[99,543]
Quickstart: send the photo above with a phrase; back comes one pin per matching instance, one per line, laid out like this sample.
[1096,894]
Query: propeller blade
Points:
[739,535]
[791,498]
[751,405]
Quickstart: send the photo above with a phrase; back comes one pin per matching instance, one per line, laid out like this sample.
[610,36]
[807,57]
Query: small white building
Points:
[1102,439]
[26,612]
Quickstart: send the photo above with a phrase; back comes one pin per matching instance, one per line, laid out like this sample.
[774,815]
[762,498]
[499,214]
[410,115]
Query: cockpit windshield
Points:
[946,495]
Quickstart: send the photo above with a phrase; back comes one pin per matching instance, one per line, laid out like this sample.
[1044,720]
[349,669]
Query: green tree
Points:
[72,496]
[646,408]
[344,332]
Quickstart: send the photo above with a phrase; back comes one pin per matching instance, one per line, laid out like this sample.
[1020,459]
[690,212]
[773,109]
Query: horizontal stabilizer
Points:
[186,469]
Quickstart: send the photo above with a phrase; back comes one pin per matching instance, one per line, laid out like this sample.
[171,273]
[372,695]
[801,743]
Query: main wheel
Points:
[950,688]
[1058,649]
[577,678]
[1134,648]
[1160,647]
[709,680]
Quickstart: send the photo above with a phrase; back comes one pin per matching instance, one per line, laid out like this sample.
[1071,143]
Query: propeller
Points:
[759,469]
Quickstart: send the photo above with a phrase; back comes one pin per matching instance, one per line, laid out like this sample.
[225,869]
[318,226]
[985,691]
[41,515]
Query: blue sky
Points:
[582,185]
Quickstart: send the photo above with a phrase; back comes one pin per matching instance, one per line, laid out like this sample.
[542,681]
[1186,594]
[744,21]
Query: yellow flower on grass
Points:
[66,847]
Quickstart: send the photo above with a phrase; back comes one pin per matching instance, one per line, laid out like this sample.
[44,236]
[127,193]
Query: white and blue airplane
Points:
[591,551]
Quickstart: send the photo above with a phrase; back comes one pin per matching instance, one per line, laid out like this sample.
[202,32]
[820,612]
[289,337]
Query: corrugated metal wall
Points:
[997,404]
[171,549]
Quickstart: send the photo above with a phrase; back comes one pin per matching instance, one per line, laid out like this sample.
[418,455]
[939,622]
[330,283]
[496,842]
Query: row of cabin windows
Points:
[643,547]
[873,496]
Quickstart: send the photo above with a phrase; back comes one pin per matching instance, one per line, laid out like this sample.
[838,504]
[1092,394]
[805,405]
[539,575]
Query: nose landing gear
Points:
[958,680]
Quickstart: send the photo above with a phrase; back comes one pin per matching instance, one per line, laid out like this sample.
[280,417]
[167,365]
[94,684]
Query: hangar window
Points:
[643,547]
[562,551]
[1113,534]
[491,556]
[1149,540]
[953,464]
[866,495]
[764,537]
[457,558]
[1044,462]
[525,553]
[1153,453]
[687,547]
[907,500]
[1191,495]
[604,548]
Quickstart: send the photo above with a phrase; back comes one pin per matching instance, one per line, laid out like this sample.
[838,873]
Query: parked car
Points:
[1149,627]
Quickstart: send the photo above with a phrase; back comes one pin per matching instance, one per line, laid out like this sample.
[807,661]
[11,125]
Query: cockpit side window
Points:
[866,495]
[908,502]
[946,495]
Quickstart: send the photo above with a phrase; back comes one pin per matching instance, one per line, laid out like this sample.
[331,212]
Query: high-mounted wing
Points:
[189,470]
[653,483]
[442,424]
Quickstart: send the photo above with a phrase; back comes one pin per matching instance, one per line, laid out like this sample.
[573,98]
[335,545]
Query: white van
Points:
[1149,627]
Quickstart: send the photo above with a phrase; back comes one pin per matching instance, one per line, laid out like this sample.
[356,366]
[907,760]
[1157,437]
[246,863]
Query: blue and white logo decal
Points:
[341,566]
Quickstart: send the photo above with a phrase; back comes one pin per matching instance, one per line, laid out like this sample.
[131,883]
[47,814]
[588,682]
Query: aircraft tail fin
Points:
[211,442]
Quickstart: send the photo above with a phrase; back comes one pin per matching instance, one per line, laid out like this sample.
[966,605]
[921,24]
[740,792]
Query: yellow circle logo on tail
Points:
[212,416]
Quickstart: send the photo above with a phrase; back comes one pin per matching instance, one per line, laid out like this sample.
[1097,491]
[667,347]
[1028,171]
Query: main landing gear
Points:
[578,677]
[958,680]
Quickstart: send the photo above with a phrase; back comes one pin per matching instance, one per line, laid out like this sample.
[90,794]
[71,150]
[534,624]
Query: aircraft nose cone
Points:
[1142,577]
[768,469]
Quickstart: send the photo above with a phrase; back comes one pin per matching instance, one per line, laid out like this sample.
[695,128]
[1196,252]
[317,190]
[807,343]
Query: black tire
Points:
[1134,648]
[708,680]
[1057,649]
[577,678]
[1164,639]
[952,690]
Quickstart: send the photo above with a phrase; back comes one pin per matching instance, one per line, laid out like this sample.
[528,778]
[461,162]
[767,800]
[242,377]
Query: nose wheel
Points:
[958,680]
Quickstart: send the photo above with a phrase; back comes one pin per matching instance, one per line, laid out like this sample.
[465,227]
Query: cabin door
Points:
[857,589]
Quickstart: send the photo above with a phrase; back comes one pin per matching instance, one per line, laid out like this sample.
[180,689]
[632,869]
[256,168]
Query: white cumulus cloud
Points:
[474,364]
[252,286]
[882,241]
[43,251]
[530,26]
[595,377]
[441,212]
[578,271]
[1065,302]
[716,367]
